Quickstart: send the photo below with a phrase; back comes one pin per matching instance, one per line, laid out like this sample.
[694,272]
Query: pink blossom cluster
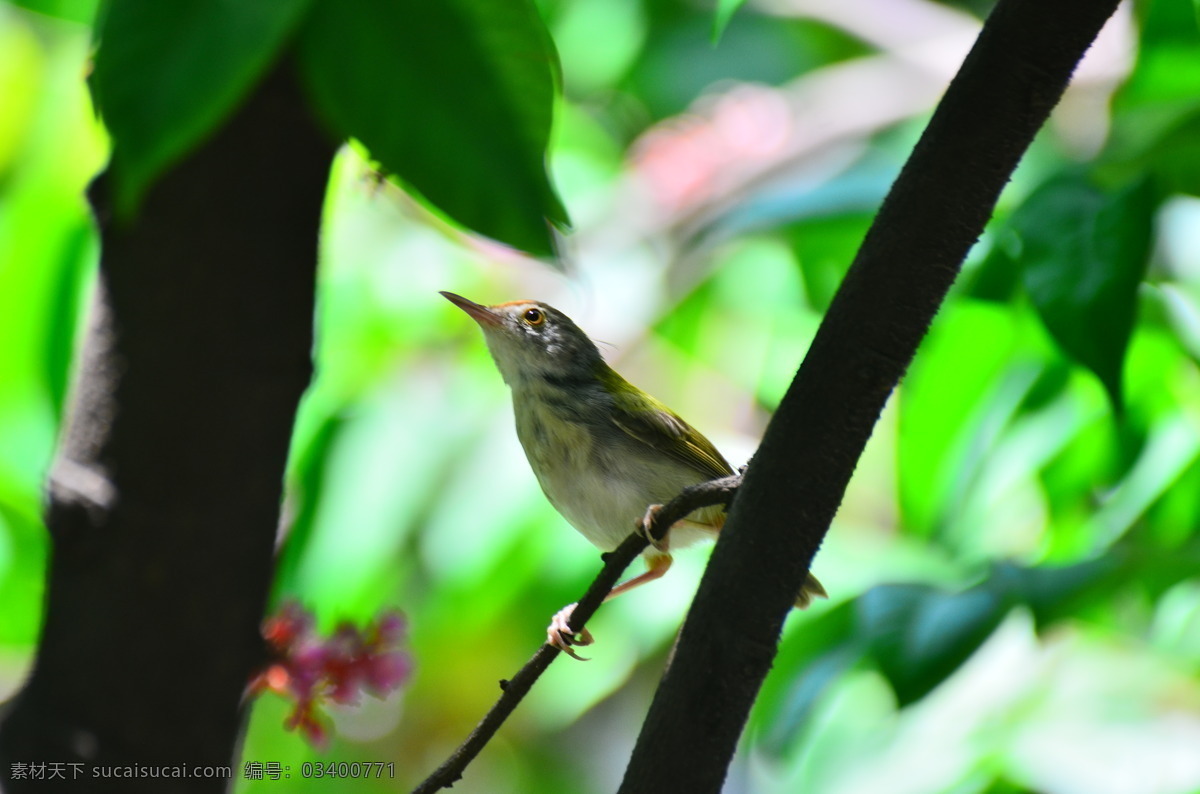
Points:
[309,669]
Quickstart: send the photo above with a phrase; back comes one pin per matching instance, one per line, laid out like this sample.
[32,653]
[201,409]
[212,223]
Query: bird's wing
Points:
[649,421]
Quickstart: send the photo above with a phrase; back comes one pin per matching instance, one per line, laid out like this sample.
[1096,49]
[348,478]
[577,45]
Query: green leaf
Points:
[810,659]
[453,97]
[919,635]
[1084,253]
[23,552]
[81,11]
[1056,592]
[999,274]
[308,476]
[1173,518]
[1171,446]
[70,282]
[948,425]
[1156,112]
[724,13]
[801,699]
[167,74]
[825,248]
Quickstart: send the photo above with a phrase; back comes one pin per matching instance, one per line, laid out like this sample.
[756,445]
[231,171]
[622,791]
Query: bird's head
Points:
[530,340]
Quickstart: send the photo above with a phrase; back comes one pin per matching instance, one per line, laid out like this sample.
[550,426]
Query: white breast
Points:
[602,490]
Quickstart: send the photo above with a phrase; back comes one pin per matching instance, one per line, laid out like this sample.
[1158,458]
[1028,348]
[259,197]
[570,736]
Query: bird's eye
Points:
[535,316]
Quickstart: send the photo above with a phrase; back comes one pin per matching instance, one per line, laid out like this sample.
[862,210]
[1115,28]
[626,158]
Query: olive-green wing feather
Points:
[652,423]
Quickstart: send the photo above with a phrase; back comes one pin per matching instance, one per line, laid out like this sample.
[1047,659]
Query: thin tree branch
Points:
[714,492]
[937,208]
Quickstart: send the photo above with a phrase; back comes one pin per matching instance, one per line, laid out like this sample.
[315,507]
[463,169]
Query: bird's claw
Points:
[559,634]
[644,527]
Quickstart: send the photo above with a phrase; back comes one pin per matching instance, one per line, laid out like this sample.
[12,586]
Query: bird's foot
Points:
[559,633]
[662,544]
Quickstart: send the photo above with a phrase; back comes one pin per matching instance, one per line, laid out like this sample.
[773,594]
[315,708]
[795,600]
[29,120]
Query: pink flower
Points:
[308,669]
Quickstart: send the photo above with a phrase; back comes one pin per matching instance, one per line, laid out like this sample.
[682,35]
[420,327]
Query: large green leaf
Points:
[914,634]
[453,97]
[918,635]
[1083,252]
[168,73]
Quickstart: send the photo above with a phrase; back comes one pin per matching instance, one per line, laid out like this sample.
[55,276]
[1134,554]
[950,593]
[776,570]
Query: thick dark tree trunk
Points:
[164,501]
[1013,77]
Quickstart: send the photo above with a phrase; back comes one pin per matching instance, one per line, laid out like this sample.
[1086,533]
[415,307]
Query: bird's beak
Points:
[481,314]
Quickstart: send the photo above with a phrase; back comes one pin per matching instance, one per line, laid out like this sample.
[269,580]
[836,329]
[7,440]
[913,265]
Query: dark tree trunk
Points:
[1003,94]
[164,500]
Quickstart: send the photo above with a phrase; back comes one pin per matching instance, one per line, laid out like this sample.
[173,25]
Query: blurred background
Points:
[1014,591]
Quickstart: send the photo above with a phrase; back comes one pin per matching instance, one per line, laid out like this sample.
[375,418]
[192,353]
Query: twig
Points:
[707,494]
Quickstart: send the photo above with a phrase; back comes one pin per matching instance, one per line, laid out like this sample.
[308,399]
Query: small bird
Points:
[604,451]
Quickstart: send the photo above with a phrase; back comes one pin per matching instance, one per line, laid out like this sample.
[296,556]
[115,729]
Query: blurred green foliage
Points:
[1015,599]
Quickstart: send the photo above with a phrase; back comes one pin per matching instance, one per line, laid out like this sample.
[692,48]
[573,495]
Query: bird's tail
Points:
[812,589]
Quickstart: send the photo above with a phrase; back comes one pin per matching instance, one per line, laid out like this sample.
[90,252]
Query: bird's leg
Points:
[662,544]
[656,566]
[559,633]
